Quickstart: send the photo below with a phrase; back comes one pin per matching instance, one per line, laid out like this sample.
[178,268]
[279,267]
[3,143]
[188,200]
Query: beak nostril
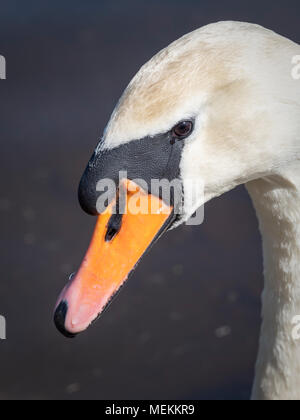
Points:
[113,227]
[115,222]
[110,234]
[60,319]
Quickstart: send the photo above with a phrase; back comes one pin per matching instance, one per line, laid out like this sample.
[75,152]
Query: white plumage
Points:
[236,80]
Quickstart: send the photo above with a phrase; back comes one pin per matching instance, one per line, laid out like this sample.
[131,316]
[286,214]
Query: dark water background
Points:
[67,64]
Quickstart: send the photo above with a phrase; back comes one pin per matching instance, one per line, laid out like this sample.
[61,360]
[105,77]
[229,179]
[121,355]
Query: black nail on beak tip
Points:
[60,319]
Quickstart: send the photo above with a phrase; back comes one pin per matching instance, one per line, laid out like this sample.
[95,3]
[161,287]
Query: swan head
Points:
[207,111]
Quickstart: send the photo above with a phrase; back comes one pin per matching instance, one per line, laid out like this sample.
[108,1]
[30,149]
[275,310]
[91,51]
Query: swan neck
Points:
[277,203]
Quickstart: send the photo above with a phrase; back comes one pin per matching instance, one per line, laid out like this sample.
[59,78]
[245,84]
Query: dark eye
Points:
[182,129]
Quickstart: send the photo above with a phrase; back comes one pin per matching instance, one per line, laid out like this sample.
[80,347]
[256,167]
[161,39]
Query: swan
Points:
[218,105]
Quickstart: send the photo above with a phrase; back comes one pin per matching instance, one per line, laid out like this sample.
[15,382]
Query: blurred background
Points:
[186,325]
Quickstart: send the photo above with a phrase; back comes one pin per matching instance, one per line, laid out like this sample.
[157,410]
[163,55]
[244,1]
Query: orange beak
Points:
[114,252]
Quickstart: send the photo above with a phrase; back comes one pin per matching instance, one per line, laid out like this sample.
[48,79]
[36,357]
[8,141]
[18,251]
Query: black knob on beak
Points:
[87,192]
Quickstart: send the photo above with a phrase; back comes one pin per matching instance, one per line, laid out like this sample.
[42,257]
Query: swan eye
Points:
[182,129]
